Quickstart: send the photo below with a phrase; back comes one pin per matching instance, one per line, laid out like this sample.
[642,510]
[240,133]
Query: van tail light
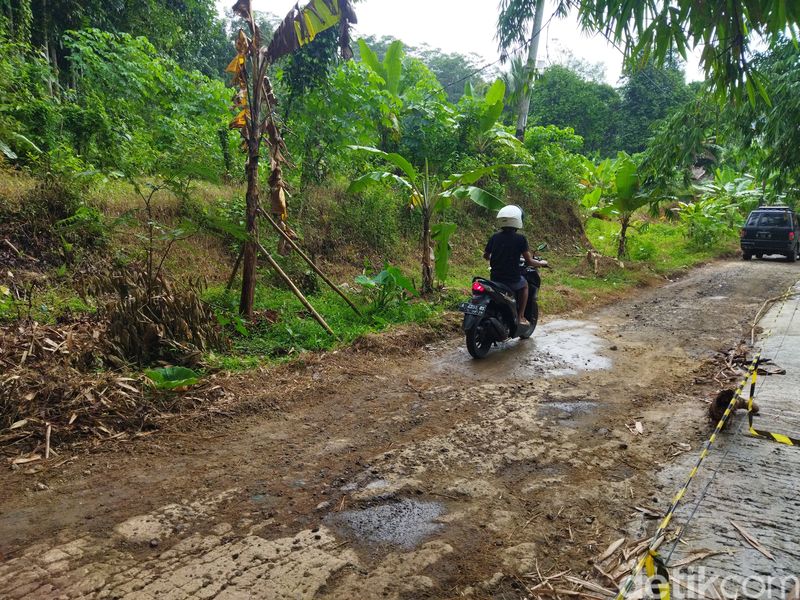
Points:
[742,232]
[477,287]
[791,235]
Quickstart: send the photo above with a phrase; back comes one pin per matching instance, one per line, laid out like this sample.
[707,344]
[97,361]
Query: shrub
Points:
[333,219]
[641,249]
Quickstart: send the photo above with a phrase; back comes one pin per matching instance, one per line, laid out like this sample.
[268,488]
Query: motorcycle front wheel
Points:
[478,340]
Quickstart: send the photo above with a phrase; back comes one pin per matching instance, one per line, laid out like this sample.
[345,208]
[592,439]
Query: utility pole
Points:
[530,67]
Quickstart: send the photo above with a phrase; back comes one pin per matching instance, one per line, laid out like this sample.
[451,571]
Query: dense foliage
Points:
[128,109]
[188,31]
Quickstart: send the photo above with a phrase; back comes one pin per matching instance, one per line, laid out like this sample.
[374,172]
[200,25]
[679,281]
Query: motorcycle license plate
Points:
[472,309]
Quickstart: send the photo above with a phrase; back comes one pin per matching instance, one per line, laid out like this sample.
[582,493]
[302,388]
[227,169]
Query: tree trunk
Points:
[530,67]
[622,237]
[250,246]
[427,267]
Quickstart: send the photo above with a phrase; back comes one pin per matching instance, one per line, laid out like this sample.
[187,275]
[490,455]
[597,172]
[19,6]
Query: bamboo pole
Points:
[311,264]
[294,288]
[235,269]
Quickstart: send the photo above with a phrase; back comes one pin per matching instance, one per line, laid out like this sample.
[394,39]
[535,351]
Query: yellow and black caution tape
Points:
[775,437]
[651,560]
[769,435]
[659,575]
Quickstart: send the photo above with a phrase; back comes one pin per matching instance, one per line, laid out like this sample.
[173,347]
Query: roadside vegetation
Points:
[123,213]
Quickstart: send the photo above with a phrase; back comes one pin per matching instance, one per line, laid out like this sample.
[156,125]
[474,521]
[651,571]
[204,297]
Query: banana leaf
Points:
[398,161]
[170,378]
[365,181]
[479,196]
[441,233]
[301,26]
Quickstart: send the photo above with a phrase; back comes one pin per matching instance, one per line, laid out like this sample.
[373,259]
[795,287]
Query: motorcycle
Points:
[491,316]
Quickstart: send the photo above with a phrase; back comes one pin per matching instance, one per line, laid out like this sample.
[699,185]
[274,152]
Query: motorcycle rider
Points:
[503,251]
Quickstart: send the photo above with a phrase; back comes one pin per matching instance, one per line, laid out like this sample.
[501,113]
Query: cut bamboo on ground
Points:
[294,289]
[310,262]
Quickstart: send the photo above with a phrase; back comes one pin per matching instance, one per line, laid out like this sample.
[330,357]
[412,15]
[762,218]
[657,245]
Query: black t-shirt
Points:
[506,248]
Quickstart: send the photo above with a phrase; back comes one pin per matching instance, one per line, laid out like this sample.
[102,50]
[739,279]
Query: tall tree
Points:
[189,31]
[649,94]
[530,69]
[515,15]
[565,99]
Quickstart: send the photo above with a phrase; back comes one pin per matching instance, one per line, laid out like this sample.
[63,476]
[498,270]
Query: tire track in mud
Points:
[529,466]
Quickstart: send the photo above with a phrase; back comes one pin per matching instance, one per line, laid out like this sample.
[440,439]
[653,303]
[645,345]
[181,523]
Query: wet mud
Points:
[399,522]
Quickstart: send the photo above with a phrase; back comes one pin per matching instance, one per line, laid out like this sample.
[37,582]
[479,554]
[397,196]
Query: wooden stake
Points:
[294,289]
[235,269]
[311,264]
[47,441]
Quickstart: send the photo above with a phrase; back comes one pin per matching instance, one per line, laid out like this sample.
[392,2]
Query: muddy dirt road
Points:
[383,472]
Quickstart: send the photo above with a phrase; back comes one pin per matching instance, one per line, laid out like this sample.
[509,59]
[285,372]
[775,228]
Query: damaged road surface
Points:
[384,472]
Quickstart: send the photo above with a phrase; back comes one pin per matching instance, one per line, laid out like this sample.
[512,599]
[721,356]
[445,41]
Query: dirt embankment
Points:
[392,474]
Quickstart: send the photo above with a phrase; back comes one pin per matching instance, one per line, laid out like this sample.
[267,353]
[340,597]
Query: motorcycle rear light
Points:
[477,287]
[791,235]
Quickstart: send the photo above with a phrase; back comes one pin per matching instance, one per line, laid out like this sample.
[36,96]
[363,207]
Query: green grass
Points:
[662,247]
[283,328]
[47,305]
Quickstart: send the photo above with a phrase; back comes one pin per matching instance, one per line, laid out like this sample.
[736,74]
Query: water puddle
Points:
[574,344]
[557,349]
[566,410]
[397,522]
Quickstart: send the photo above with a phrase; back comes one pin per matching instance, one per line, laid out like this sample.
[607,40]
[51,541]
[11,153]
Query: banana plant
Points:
[614,190]
[390,70]
[431,196]
[489,110]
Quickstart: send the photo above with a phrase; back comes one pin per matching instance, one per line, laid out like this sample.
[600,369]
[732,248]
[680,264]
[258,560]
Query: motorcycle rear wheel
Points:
[478,340]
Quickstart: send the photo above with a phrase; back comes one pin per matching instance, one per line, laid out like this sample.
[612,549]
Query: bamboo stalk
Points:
[311,263]
[235,269]
[294,289]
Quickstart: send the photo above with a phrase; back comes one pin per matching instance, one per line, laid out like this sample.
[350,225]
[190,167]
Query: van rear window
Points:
[768,219]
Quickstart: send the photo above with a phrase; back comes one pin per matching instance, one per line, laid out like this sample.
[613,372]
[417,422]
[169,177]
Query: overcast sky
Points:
[468,26]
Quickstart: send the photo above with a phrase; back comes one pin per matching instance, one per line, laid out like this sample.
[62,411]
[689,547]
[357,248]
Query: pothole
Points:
[575,344]
[398,522]
[566,410]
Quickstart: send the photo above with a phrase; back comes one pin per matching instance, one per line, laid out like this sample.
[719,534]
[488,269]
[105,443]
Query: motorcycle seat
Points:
[503,287]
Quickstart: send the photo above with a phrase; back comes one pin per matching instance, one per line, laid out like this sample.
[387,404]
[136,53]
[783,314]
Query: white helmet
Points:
[510,216]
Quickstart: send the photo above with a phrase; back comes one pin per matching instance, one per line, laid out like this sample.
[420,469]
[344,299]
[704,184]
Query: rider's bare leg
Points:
[522,302]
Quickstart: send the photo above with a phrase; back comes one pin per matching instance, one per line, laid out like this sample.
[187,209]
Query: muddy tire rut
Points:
[396,474]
